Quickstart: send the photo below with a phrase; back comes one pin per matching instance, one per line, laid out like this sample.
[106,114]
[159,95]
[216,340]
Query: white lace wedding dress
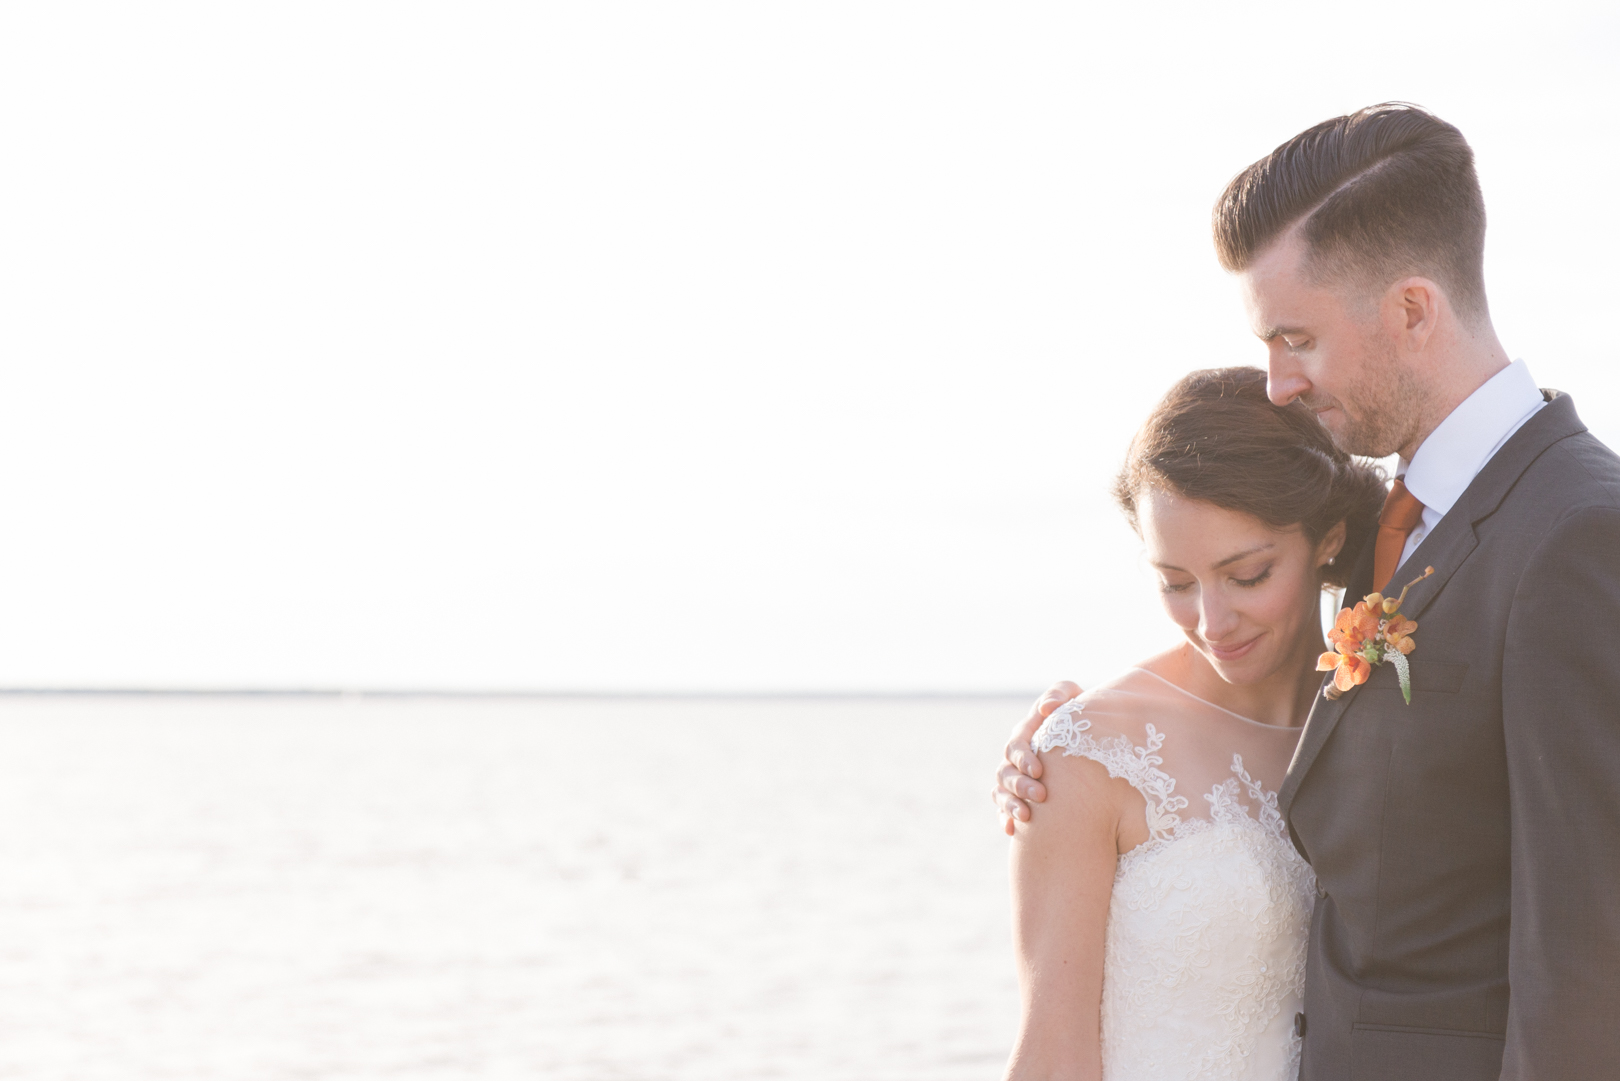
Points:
[1206,932]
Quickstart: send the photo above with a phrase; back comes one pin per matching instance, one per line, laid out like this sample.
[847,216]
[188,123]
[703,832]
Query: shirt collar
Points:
[1449,460]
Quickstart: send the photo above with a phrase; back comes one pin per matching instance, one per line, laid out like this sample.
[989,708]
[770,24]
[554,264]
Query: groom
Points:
[1466,846]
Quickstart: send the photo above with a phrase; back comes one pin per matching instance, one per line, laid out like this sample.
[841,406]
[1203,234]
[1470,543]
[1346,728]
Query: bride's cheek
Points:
[1291,598]
[1181,610]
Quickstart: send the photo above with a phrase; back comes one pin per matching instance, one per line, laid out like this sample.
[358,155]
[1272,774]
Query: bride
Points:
[1159,908]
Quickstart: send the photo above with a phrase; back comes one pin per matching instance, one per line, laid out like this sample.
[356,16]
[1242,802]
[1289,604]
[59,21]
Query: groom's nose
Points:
[1285,380]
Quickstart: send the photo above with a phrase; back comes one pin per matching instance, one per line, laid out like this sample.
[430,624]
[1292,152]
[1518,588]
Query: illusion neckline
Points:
[1223,709]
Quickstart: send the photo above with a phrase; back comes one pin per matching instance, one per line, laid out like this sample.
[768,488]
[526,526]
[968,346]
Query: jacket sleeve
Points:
[1561,724]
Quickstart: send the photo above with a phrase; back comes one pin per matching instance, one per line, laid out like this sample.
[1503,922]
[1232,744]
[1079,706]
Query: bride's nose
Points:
[1216,619]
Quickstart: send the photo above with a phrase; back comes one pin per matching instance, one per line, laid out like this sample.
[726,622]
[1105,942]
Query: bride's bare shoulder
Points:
[1172,665]
[1089,748]
[1122,708]
[1143,686]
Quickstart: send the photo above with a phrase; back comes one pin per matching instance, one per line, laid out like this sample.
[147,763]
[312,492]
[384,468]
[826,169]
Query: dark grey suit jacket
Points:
[1467,847]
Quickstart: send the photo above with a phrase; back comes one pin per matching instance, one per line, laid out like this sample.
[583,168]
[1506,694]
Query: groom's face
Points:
[1329,348]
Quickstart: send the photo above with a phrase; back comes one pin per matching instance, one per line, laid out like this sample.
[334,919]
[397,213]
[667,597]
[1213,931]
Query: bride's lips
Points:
[1232,653]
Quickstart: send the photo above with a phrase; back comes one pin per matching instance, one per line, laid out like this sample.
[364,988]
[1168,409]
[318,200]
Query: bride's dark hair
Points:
[1217,437]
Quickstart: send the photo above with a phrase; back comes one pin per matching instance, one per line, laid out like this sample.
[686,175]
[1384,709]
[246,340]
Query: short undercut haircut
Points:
[1383,193]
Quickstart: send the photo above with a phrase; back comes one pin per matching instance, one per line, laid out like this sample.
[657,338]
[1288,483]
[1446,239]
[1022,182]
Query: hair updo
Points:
[1216,437]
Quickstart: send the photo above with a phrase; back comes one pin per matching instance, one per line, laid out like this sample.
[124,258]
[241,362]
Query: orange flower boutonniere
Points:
[1372,632]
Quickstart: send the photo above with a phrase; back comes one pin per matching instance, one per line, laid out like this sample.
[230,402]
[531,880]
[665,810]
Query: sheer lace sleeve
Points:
[1070,729]
[1190,759]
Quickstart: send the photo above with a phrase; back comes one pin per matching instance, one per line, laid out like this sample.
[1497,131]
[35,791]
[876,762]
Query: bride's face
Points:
[1246,595]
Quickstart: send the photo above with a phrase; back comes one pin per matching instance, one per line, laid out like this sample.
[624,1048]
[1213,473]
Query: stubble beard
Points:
[1380,409]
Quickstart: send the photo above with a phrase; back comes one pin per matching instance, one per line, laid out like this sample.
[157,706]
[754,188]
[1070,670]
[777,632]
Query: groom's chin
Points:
[1353,438]
[1374,440]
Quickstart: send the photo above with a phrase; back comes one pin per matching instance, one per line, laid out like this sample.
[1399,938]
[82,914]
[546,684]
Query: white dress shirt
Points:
[1447,462]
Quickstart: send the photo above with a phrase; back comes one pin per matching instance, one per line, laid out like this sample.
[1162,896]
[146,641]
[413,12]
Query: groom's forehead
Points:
[1277,271]
[1281,296]
[1279,304]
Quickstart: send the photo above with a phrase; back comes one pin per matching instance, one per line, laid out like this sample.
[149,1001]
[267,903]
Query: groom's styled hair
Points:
[1384,192]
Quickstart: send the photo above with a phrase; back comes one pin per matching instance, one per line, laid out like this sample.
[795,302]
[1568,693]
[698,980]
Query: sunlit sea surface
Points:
[574,889]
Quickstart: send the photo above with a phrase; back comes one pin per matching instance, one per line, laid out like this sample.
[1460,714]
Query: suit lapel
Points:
[1446,549]
[1454,538]
[1325,713]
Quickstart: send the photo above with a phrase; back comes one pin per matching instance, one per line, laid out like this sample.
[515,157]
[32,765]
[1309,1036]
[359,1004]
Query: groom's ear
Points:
[1414,306]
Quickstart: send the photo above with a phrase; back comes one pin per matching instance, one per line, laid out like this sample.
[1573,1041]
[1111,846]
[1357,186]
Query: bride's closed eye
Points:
[1246,583]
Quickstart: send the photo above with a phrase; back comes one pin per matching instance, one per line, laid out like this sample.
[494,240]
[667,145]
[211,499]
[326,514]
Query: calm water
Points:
[228,889]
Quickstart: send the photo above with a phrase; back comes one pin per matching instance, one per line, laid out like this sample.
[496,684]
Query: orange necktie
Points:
[1402,512]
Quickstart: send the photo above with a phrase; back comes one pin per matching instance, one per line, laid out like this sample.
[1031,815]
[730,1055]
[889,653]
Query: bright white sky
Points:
[673,346]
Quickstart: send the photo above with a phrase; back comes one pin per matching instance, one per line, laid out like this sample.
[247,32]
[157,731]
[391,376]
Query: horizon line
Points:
[484,693]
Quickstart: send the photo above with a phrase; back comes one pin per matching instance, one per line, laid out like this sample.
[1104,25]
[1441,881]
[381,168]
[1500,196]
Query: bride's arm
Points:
[1062,878]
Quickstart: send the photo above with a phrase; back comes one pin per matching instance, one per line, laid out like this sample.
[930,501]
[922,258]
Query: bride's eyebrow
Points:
[1241,555]
[1246,553]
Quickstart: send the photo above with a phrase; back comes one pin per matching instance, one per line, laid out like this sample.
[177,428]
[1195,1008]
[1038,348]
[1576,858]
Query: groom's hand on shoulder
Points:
[1017,779]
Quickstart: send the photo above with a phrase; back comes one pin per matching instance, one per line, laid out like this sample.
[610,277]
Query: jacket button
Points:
[1299,1025]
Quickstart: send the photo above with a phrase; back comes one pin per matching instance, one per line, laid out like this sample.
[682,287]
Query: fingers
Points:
[1022,757]
[1013,789]
[1025,732]
[1010,807]
[1059,693]
[1016,780]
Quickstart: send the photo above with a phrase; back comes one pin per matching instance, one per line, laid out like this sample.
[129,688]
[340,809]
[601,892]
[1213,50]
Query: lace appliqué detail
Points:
[1205,957]
[1066,728]
[1224,802]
